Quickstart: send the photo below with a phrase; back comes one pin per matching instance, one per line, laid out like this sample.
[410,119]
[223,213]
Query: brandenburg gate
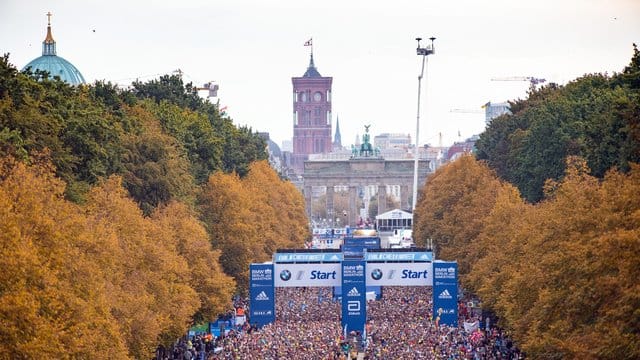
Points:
[365,167]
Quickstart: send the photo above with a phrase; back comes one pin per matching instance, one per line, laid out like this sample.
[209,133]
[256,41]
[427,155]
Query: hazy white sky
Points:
[252,49]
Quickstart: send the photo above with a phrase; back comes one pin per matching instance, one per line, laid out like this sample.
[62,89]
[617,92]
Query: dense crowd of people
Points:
[399,326]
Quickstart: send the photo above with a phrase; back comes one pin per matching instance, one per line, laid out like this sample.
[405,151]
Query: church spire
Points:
[49,45]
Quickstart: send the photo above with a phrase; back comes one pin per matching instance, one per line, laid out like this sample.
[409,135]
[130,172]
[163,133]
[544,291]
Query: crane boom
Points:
[532,80]
[211,87]
[466,111]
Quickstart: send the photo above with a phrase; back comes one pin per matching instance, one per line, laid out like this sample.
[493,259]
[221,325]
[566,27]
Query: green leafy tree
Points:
[155,168]
[169,88]
[596,117]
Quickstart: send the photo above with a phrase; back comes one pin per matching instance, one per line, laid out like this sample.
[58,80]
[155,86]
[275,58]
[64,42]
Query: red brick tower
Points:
[311,116]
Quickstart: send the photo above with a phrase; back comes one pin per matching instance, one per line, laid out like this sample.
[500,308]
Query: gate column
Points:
[330,213]
[307,200]
[382,199]
[404,196]
[353,192]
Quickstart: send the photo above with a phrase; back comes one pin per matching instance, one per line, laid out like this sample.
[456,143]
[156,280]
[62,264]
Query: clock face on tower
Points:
[317,96]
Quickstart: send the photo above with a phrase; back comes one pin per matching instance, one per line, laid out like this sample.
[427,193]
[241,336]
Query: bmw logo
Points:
[376,274]
[285,275]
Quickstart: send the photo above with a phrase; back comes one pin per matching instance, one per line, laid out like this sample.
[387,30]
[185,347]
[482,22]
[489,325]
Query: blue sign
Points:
[445,293]
[262,293]
[350,252]
[365,242]
[307,257]
[337,291]
[425,256]
[354,300]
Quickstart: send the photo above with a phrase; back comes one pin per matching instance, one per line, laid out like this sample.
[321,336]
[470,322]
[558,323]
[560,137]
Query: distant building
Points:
[460,148]
[54,64]
[275,155]
[311,116]
[492,110]
[287,145]
[391,141]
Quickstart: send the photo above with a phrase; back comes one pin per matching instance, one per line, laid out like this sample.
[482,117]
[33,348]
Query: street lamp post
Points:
[424,52]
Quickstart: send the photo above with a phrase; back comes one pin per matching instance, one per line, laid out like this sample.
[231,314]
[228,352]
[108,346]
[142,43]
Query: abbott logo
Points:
[445,295]
[353,292]
[262,296]
[353,305]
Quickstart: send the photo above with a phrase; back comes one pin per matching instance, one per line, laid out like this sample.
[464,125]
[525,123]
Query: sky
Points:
[253,48]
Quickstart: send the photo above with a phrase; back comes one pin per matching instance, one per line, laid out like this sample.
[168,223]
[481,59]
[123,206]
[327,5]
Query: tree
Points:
[155,168]
[144,275]
[188,238]
[53,302]
[454,202]
[169,88]
[596,117]
[277,210]
[223,207]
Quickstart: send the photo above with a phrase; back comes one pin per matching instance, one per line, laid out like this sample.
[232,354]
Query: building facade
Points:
[390,141]
[493,110]
[311,116]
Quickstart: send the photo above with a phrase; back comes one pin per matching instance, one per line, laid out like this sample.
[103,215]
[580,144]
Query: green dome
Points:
[53,64]
[57,66]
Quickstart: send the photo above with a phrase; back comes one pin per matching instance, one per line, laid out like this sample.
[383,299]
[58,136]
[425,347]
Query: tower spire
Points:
[311,70]
[49,45]
[337,138]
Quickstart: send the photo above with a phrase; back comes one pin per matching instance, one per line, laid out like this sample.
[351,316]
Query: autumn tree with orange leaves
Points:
[250,218]
[561,274]
[98,280]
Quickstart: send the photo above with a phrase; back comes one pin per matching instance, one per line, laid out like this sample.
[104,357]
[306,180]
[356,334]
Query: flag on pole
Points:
[309,42]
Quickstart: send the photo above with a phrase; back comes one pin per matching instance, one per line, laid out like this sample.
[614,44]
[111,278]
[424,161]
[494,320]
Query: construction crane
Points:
[532,80]
[467,111]
[211,87]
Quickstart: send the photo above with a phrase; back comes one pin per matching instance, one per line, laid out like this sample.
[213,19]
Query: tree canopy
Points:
[544,221]
[561,274]
[596,117]
[161,137]
[113,203]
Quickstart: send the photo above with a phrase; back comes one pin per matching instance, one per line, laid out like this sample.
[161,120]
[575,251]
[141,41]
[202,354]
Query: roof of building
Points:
[274,148]
[395,214]
[311,70]
[54,64]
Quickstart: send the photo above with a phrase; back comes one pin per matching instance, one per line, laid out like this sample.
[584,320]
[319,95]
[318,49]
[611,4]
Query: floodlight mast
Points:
[424,52]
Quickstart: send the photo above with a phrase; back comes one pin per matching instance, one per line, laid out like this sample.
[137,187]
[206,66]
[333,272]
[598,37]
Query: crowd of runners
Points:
[399,326]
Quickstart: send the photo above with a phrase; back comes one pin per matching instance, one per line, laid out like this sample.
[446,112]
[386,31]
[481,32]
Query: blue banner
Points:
[262,294]
[365,242]
[307,257]
[337,291]
[354,301]
[445,293]
[422,256]
[351,252]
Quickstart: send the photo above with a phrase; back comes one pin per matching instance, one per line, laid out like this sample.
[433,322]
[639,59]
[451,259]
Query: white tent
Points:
[394,219]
